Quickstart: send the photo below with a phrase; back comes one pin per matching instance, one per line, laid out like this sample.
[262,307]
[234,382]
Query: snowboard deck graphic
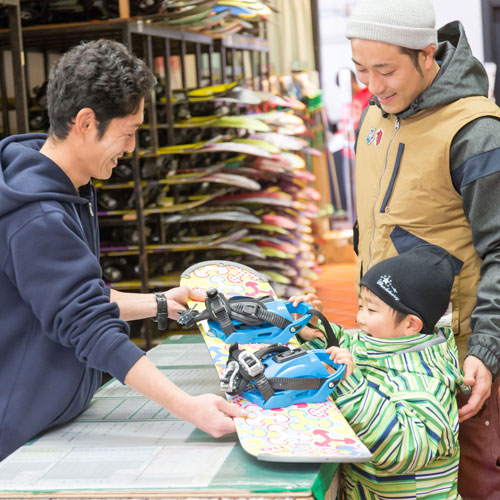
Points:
[314,432]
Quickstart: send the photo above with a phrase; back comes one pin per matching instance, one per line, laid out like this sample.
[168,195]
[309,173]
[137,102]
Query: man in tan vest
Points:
[428,170]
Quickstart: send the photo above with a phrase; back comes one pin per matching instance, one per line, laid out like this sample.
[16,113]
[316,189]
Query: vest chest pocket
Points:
[395,171]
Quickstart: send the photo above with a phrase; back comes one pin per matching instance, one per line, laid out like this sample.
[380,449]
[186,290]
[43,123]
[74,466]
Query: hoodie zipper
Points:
[92,243]
[93,223]
[372,237]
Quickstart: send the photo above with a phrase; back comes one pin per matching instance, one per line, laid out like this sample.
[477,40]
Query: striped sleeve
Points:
[404,421]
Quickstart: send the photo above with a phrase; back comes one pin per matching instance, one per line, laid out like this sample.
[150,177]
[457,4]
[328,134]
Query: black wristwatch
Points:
[162,311]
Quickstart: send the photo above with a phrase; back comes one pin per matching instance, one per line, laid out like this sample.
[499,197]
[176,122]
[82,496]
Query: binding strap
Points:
[252,312]
[244,367]
[331,339]
[249,311]
[218,309]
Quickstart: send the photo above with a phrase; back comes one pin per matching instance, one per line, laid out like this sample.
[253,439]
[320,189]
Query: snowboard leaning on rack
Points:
[304,432]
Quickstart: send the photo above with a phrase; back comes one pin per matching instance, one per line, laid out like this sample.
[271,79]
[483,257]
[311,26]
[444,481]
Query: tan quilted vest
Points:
[405,190]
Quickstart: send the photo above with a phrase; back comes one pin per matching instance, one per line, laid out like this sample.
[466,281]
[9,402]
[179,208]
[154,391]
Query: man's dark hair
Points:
[413,54]
[101,75]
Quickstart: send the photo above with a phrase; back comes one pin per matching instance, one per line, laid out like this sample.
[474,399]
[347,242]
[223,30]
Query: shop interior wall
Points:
[290,36]
[335,49]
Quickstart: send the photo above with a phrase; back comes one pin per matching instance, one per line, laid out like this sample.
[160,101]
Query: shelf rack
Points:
[60,37]
[14,38]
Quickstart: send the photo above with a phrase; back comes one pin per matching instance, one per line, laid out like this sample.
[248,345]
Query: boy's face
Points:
[376,318]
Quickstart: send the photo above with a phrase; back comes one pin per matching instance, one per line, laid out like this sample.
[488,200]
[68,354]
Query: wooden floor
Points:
[335,288]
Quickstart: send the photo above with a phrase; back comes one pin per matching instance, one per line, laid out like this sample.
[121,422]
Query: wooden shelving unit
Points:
[14,38]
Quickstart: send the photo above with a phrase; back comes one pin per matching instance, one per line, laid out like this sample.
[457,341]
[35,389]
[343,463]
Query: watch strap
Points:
[162,311]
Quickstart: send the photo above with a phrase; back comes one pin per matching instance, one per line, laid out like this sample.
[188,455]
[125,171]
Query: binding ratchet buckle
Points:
[249,319]
[278,376]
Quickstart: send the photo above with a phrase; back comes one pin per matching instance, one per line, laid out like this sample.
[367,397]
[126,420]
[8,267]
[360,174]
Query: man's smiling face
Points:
[389,74]
[118,139]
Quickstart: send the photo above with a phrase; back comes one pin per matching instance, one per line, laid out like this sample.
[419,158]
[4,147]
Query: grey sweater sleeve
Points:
[475,161]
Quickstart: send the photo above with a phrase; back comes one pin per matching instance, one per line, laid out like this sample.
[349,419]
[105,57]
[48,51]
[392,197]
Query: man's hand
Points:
[212,414]
[209,412]
[477,375]
[178,297]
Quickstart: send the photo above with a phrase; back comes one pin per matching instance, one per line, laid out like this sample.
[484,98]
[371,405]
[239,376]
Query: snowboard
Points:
[200,175]
[230,239]
[305,432]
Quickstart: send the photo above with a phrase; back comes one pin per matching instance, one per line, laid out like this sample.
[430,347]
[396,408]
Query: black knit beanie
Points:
[415,282]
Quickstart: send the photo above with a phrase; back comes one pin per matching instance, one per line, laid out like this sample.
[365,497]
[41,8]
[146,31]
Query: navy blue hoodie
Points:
[58,328]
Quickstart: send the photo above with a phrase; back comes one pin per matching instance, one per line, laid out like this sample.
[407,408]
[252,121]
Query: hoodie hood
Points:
[460,74]
[406,354]
[28,176]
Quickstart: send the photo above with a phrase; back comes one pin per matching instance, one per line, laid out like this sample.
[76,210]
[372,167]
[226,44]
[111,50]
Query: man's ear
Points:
[428,55]
[414,324]
[84,121]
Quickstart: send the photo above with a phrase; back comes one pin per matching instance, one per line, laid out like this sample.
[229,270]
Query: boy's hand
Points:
[342,356]
[307,333]
[315,303]
[310,298]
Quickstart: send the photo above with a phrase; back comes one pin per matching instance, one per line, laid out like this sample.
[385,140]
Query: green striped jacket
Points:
[400,400]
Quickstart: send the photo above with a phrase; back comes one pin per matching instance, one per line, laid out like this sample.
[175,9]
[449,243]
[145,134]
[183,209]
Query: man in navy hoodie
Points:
[61,327]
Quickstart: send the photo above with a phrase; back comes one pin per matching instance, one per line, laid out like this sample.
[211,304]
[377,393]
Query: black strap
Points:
[331,339]
[219,310]
[271,349]
[263,386]
[254,313]
[162,311]
[296,384]
[249,372]
[249,311]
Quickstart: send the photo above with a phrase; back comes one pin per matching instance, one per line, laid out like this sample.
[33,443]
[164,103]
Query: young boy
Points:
[398,393]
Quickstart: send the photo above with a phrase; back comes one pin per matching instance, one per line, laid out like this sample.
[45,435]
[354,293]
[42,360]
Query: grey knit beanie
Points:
[405,23]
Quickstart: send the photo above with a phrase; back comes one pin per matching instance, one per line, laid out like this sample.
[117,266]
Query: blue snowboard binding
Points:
[248,320]
[278,376]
